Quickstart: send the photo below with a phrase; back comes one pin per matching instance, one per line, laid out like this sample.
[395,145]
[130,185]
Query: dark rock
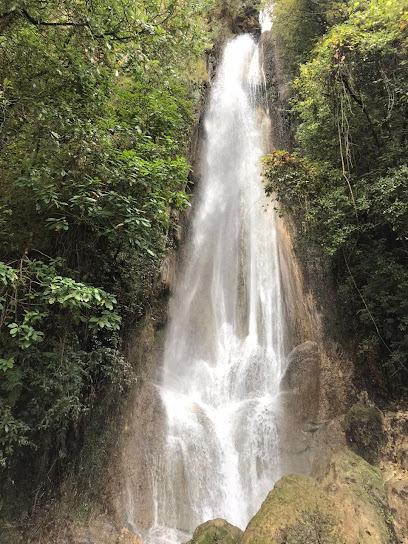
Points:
[276,92]
[300,360]
[364,430]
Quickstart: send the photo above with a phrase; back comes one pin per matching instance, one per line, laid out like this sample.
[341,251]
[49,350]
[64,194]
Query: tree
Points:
[347,184]
[97,102]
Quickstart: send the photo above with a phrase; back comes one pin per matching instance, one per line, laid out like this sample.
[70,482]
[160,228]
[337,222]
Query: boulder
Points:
[300,406]
[296,511]
[365,433]
[216,531]
[301,381]
[347,503]
[358,492]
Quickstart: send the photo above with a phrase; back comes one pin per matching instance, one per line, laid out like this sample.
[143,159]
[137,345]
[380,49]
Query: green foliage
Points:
[369,251]
[48,388]
[298,24]
[316,195]
[347,183]
[34,288]
[355,89]
[96,104]
[13,434]
[5,364]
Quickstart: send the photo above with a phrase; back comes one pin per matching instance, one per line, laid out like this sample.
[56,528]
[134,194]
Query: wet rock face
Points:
[302,378]
[217,531]
[242,18]
[365,431]
[300,406]
[276,92]
[247,22]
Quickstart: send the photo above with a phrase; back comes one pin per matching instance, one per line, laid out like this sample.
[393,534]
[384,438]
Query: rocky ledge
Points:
[356,494]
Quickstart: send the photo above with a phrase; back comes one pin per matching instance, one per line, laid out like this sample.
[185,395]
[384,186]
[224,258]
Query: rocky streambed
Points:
[355,493]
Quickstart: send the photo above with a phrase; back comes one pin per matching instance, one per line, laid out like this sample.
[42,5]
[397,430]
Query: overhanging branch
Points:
[75,24]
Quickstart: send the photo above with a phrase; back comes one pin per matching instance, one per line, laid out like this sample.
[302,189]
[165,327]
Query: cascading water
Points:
[224,353]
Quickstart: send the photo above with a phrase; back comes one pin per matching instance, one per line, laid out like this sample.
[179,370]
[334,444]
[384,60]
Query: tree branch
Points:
[37,22]
[75,24]
[363,108]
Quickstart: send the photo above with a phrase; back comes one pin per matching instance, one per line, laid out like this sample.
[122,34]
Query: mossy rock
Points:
[296,511]
[364,430]
[357,489]
[216,531]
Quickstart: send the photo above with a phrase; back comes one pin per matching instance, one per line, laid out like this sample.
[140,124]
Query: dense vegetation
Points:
[346,184]
[97,101]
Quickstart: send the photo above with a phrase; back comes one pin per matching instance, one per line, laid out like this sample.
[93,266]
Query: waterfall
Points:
[224,351]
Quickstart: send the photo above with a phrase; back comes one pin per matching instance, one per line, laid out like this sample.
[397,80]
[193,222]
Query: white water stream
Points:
[224,353]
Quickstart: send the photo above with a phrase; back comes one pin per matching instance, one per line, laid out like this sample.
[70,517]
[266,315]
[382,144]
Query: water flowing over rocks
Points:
[215,447]
[337,495]
[346,500]
[191,480]
[256,382]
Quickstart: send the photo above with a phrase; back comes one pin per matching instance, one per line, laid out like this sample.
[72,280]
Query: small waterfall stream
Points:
[224,353]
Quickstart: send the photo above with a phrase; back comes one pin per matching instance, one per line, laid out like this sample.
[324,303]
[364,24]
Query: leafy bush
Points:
[96,110]
[367,249]
[347,183]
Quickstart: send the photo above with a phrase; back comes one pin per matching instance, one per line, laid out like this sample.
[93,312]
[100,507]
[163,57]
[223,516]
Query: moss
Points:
[364,431]
[348,506]
[296,511]
[355,482]
[313,528]
[217,531]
